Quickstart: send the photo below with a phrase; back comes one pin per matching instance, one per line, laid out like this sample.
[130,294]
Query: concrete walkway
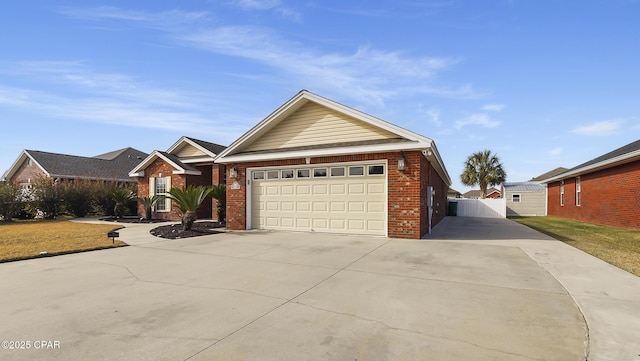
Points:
[608,297]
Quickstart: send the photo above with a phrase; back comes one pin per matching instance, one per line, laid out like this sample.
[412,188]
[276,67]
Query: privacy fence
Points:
[484,208]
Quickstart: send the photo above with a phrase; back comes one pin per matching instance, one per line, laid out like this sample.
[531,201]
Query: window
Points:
[303,173]
[337,172]
[161,189]
[273,174]
[577,191]
[258,175]
[287,174]
[376,170]
[356,170]
[319,172]
[515,198]
[562,193]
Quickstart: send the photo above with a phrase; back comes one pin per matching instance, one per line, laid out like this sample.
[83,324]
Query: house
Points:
[452,193]
[604,190]
[187,162]
[549,174]
[34,164]
[317,165]
[475,193]
[525,198]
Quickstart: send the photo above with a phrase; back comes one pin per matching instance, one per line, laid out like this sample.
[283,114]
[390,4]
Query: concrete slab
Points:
[280,296]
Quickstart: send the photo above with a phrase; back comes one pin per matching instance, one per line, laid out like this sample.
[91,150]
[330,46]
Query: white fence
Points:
[484,208]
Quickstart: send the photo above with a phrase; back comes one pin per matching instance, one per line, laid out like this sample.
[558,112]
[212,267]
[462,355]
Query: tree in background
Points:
[11,200]
[483,169]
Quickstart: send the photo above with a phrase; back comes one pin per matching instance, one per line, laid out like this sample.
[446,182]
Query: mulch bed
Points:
[174,231]
[131,220]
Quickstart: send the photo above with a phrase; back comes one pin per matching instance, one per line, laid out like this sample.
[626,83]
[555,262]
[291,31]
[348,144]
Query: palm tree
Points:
[219,193]
[148,203]
[188,200]
[121,196]
[483,169]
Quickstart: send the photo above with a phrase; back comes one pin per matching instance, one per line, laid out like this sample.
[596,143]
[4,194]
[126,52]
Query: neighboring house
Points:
[317,165]
[549,174]
[452,193]
[475,194]
[34,164]
[525,198]
[604,190]
[187,162]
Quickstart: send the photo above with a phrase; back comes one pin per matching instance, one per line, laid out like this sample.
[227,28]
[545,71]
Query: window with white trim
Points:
[356,170]
[273,174]
[287,174]
[319,172]
[577,191]
[515,198]
[303,173]
[257,175]
[377,169]
[160,188]
[337,172]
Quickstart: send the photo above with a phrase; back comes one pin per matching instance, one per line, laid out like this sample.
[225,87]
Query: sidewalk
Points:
[608,297]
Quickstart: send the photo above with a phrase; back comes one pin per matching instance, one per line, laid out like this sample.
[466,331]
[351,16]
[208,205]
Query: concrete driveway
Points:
[292,296]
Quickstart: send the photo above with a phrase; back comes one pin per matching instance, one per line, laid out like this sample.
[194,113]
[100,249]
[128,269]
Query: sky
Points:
[540,83]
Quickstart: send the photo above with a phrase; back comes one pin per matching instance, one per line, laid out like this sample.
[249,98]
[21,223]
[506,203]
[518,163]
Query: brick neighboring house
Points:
[317,165]
[189,161]
[112,166]
[604,190]
[475,194]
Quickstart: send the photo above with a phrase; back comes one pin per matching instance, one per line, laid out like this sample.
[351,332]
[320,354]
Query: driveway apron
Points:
[291,296]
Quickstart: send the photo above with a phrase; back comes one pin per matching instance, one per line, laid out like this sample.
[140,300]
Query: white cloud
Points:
[479,119]
[366,74]
[275,5]
[434,116]
[493,107]
[556,151]
[603,128]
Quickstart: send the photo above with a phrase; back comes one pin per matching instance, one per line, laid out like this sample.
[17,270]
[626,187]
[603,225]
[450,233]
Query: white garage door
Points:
[333,198]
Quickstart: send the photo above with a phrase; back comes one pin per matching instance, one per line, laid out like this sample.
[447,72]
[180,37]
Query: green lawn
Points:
[620,247]
[26,239]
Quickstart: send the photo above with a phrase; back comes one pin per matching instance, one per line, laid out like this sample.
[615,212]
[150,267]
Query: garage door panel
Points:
[328,204]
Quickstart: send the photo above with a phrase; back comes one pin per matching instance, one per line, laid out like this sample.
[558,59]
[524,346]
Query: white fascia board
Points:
[16,166]
[257,156]
[622,159]
[187,172]
[137,174]
[438,158]
[185,139]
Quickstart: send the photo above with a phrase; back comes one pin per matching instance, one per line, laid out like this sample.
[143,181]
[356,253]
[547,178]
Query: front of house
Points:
[604,190]
[187,162]
[317,165]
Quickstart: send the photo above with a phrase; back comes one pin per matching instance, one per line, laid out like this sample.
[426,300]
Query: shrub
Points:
[11,200]
[78,197]
[46,198]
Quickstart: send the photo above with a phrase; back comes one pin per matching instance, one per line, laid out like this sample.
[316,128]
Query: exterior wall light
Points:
[401,163]
[233,173]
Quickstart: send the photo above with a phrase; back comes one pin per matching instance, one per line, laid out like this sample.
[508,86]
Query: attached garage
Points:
[335,198]
[318,166]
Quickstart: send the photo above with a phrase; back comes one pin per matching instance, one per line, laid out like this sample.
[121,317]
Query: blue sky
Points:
[541,83]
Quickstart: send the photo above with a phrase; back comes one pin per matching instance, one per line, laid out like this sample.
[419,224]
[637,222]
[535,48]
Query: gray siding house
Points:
[525,198]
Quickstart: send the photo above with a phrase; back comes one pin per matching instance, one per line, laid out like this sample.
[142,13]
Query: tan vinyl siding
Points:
[188,151]
[531,203]
[314,124]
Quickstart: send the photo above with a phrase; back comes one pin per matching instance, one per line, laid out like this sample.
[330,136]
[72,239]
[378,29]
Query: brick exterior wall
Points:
[27,173]
[407,191]
[211,174]
[610,197]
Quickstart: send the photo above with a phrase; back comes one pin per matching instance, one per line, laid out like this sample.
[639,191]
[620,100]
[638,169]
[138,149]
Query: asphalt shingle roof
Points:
[212,147]
[109,166]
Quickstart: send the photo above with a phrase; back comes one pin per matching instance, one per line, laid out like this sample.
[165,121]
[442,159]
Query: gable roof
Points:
[622,155]
[210,149]
[173,160]
[390,137]
[109,166]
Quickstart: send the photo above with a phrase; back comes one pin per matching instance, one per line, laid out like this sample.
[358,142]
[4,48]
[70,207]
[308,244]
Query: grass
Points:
[620,247]
[26,239]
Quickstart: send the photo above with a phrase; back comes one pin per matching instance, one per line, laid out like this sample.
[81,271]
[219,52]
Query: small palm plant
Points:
[121,196]
[188,200]
[148,203]
[219,193]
